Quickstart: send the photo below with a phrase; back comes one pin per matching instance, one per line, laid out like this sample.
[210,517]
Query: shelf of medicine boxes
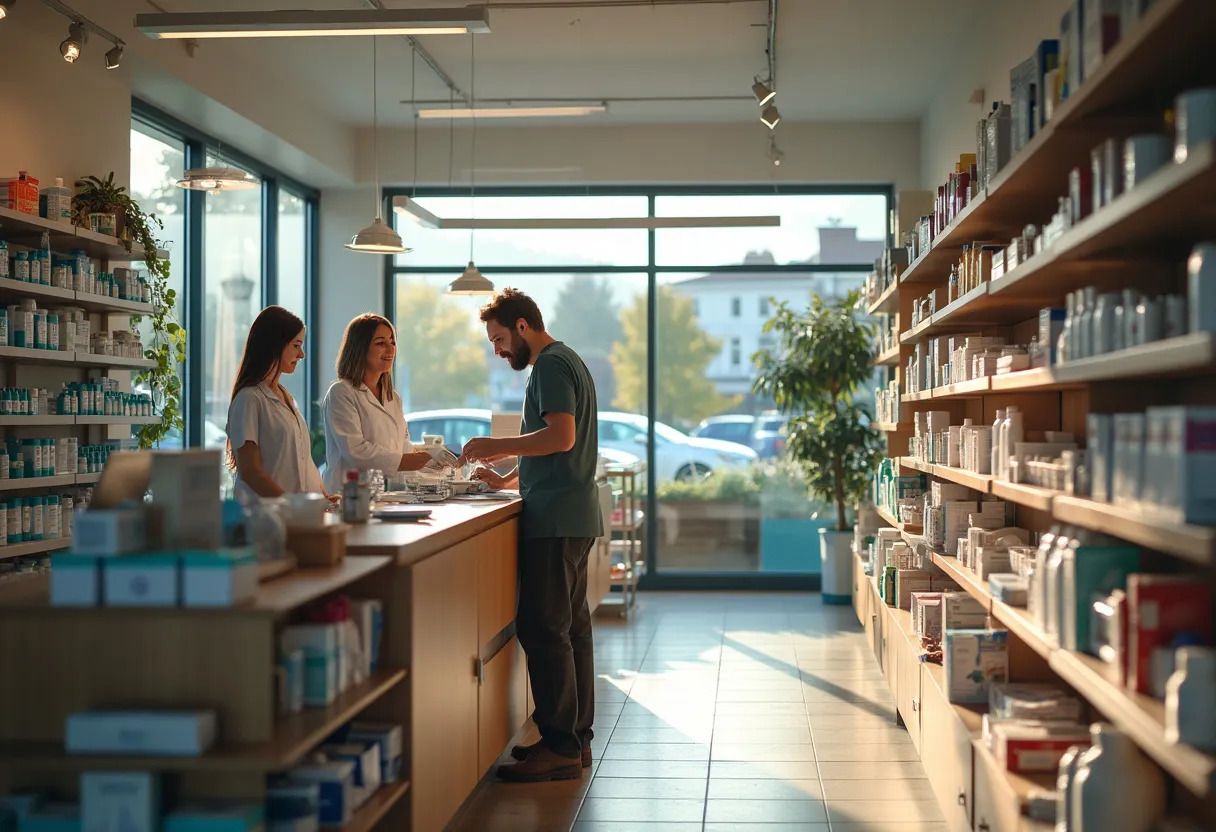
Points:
[1142,717]
[294,734]
[25,355]
[55,295]
[27,229]
[890,520]
[51,420]
[1166,50]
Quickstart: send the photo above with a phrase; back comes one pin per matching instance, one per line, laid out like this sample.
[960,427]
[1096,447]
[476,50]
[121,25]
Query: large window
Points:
[722,502]
[158,160]
[232,253]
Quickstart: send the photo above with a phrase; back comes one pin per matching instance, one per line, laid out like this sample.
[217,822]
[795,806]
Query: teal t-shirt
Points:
[559,490]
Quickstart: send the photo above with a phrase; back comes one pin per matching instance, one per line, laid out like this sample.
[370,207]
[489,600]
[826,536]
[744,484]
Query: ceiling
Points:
[837,60]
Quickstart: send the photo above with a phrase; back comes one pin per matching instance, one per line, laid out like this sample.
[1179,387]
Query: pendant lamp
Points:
[214,180]
[377,238]
[472,281]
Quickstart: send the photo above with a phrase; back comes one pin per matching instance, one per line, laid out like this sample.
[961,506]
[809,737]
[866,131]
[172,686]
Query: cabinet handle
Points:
[962,799]
[983,827]
[915,705]
[479,670]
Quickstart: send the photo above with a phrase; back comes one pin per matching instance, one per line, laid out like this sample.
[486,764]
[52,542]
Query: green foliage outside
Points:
[443,347]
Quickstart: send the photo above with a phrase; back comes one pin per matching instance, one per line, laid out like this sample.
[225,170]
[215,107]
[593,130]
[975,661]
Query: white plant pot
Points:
[837,587]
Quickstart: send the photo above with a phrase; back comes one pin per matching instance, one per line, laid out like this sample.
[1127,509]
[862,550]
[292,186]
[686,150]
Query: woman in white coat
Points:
[268,443]
[365,425]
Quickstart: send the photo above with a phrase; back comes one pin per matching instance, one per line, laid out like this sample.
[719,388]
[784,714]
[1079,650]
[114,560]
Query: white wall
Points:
[1004,35]
[872,152]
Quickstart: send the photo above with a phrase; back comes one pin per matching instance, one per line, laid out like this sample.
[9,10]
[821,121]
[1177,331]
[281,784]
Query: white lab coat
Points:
[259,416]
[362,433]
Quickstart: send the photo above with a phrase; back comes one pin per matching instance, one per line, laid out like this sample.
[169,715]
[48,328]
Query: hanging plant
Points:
[168,346]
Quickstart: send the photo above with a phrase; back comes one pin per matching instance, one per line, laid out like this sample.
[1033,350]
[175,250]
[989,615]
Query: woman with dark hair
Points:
[365,425]
[268,443]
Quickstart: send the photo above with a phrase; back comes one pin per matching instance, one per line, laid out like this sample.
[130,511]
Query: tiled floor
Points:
[731,713]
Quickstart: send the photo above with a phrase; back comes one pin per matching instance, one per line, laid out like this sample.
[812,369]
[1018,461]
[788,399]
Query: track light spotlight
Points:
[114,57]
[762,92]
[770,116]
[5,6]
[70,48]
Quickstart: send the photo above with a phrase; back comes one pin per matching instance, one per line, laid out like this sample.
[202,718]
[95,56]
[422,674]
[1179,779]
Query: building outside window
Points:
[736,307]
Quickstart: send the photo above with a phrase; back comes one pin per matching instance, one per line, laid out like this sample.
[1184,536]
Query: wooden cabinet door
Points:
[946,752]
[443,682]
[502,704]
[907,686]
[498,580]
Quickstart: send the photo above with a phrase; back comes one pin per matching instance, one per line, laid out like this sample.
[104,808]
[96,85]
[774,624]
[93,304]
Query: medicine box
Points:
[320,645]
[168,733]
[186,484]
[75,580]
[960,611]
[108,531]
[223,578]
[389,738]
[1089,573]
[1035,748]
[1161,607]
[336,782]
[366,758]
[216,816]
[292,807]
[908,581]
[974,660]
[53,817]
[1178,468]
[1100,22]
[1100,428]
[141,580]
[1129,458]
[368,615]
[20,193]
[924,607]
[120,801]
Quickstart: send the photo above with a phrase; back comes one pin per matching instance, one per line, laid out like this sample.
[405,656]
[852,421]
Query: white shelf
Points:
[30,483]
[35,290]
[101,303]
[30,356]
[114,361]
[115,420]
[35,421]
[86,479]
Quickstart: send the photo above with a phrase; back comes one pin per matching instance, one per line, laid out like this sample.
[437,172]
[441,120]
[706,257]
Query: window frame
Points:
[191,311]
[654,577]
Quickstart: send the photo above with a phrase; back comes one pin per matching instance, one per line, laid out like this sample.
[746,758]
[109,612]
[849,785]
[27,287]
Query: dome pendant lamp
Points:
[377,238]
[472,281]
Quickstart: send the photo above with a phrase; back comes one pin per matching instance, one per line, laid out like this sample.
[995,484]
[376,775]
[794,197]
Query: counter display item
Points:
[974,659]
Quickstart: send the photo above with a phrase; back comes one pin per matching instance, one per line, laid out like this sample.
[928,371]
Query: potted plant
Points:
[168,342]
[824,354]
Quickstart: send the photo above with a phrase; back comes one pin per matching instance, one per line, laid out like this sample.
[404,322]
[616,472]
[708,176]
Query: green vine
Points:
[168,347]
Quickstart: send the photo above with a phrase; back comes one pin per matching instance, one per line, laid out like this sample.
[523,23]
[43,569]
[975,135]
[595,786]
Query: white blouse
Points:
[362,433]
[259,416]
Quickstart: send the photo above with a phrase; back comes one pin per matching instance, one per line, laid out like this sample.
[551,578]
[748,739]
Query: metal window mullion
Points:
[270,242]
[194,290]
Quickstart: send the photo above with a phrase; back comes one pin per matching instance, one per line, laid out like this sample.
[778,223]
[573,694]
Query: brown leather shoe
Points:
[521,752]
[540,766]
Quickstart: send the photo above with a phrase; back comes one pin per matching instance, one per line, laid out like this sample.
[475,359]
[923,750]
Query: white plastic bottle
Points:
[1011,434]
[995,468]
[1189,697]
[1116,787]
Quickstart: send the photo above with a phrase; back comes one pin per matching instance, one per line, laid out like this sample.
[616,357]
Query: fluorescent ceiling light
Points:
[514,112]
[408,207]
[304,24]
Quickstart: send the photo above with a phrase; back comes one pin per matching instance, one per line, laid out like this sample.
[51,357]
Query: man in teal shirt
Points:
[557,450]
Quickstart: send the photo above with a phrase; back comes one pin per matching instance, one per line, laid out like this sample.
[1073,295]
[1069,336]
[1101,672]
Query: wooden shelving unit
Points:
[1142,235]
[34,547]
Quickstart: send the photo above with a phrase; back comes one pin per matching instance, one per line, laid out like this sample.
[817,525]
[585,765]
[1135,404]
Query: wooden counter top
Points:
[448,524]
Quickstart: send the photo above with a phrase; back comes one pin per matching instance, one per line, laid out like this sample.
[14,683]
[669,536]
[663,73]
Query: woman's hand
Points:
[491,478]
[416,461]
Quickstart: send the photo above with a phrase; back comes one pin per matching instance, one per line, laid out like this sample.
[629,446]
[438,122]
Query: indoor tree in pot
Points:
[823,355]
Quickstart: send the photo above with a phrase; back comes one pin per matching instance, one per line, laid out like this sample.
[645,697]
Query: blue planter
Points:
[789,544]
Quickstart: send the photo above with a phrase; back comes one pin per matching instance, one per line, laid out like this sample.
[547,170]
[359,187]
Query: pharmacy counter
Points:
[449,610]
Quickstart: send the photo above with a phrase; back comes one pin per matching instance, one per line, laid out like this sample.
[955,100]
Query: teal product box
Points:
[320,644]
[120,801]
[974,660]
[1090,573]
[75,580]
[222,578]
[53,817]
[215,816]
[291,682]
[142,580]
[389,738]
[337,784]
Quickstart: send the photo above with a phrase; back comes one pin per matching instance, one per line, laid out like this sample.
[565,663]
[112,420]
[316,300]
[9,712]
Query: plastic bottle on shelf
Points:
[1116,786]
[1189,694]
[995,462]
[1011,434]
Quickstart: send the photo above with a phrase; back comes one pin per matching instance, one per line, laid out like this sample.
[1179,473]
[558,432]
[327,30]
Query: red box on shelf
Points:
[20,193]
[1161,607]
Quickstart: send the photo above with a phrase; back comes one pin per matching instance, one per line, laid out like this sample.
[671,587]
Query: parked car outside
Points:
[677,455]
[764,434]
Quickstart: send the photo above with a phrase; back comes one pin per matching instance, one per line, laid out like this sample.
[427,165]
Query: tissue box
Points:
[337,783]
[366,759]
[75,580]
[141,580]
[108,531]
[120,801]
[974,660]
[167,733]
[219,816]
[389,738]
[224,578]
[320,644]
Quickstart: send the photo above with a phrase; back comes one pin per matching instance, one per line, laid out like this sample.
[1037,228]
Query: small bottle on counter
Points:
[356,499]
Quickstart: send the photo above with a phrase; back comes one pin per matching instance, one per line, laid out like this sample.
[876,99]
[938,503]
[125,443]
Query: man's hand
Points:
[483,449]
[491,478]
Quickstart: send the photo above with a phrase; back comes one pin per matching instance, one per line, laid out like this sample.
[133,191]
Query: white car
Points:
[677,455]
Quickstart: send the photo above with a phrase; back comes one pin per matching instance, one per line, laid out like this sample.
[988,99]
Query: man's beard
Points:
[521,353]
